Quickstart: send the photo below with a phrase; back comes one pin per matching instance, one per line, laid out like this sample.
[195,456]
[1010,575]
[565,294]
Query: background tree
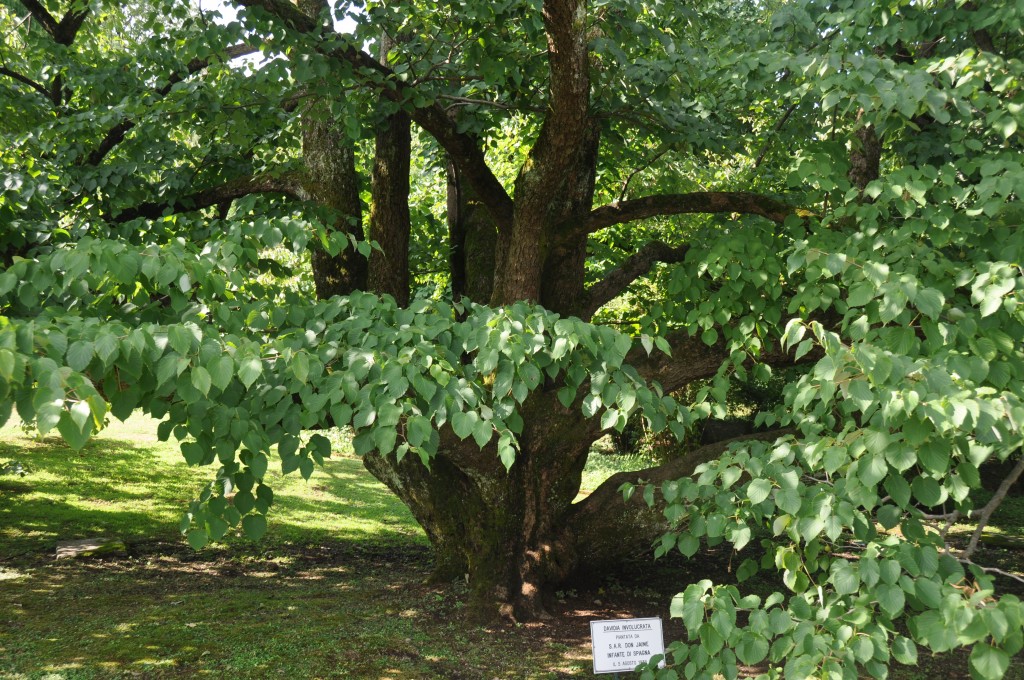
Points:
[846,189]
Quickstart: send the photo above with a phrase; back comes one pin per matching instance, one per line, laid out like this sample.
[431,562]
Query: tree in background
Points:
[841,194]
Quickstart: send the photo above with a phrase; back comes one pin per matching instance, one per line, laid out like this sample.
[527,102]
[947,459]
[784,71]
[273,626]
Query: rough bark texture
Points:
[504,531]
[865,157]
[554,156]
[472,240]
[389,212]
[331,181]
[564,264]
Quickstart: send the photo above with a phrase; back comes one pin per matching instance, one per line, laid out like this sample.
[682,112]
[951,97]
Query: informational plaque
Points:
[620,645]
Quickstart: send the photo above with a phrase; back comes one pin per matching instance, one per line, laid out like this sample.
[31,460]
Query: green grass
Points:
[335,589]
[127,483]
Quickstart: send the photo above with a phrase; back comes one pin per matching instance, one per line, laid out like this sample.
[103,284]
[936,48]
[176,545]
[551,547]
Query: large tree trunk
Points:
[503,531]
[516,535]
[330,180]
[389,212]
[472,239]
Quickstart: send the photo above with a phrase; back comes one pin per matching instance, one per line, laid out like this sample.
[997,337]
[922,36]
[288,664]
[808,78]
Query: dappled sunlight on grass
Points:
[334,589]
[128,484]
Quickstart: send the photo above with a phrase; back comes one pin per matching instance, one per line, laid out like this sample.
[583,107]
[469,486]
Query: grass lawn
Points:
[335,589]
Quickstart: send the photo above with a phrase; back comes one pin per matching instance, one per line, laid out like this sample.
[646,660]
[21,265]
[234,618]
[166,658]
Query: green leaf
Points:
[463,423]
[904,650]
[249,370]
[609,418]
[506,452]
[300,366]
[688,544]
[222,370]
[788,500]
[75,432]
[482,432]
[988,662]
[758,491]
[244,501]
[417,430]
[198,538]
[845,579]
[891,599]
[254,526]
[80,355]
[201,380]
[752,649]
[180,339]
[930,302]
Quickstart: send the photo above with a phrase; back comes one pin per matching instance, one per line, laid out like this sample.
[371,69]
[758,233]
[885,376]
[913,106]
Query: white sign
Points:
[620,645]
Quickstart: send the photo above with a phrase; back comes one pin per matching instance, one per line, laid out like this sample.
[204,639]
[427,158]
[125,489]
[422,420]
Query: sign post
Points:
[620,645]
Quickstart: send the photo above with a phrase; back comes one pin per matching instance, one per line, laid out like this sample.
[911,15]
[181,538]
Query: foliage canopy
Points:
[833,183]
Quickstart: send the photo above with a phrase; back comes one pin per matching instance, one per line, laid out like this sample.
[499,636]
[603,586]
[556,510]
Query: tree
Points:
[844,196]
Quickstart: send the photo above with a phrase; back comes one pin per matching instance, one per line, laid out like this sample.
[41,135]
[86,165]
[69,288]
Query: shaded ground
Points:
[334,610]
[336,589]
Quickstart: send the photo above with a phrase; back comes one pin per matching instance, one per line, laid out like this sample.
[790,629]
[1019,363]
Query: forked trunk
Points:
[505,532]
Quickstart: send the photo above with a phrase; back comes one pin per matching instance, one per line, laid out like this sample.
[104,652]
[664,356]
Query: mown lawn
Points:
[336,588]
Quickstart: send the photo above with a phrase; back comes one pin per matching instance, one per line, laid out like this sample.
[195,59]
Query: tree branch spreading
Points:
[64,31]
[740,202]
[462,148]
[616,281]
[288,184]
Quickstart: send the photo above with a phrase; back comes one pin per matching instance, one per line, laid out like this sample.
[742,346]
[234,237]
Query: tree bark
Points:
[389,213]
[472,240]
[865,157]
[332,182]
[554,156]
[502,531]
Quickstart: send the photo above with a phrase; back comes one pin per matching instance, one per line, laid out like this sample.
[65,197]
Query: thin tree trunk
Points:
[866,156]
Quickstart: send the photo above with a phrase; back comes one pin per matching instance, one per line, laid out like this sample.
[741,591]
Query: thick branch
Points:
[615,282]
[116,134]
[462,148]
[740,202]
[606,528]
[62,32]
[40,14]
[692,359]
[25,80]
[287,184]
